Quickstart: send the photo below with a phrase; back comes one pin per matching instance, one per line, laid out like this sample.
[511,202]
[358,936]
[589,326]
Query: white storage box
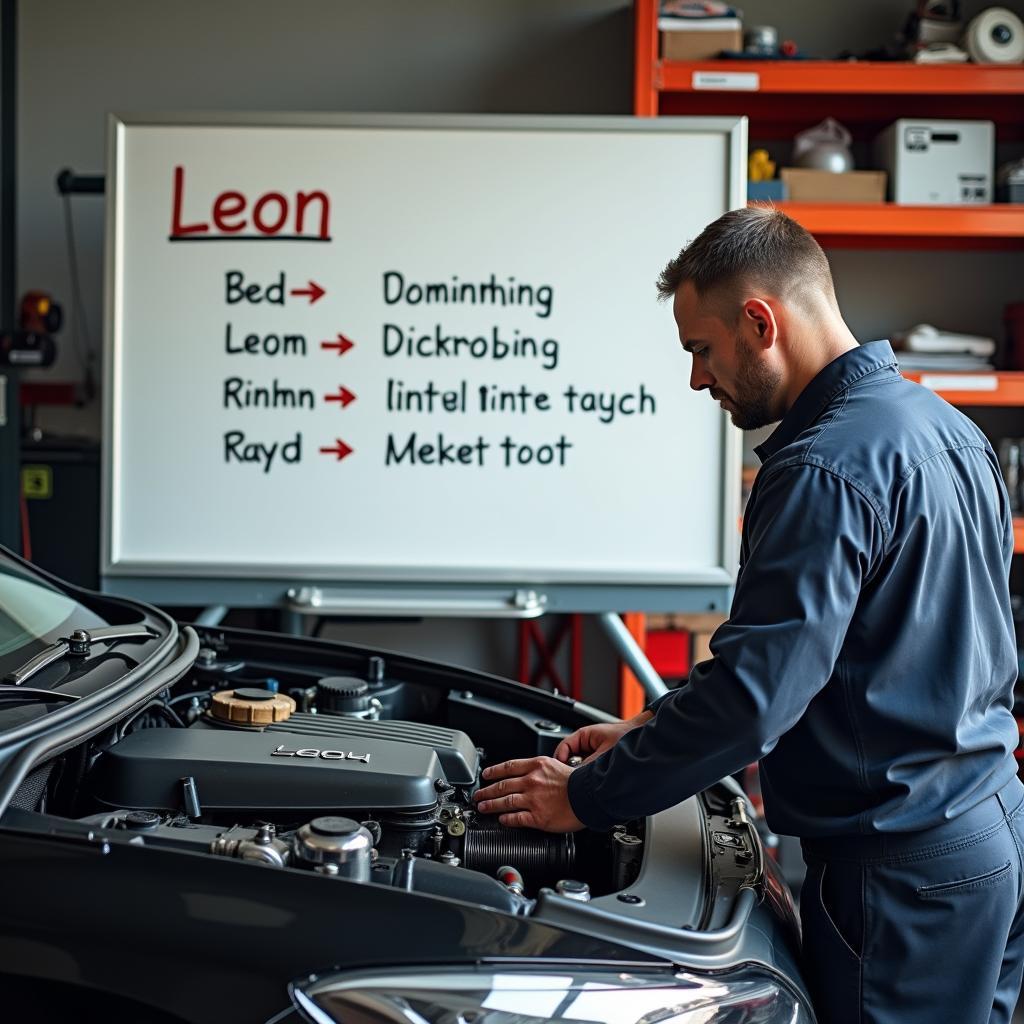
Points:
[946,162]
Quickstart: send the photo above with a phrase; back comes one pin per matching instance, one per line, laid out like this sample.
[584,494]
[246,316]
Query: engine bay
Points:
[307,756]
[358,775]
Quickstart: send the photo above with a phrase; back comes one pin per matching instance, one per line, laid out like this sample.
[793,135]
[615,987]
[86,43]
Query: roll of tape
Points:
[996,36]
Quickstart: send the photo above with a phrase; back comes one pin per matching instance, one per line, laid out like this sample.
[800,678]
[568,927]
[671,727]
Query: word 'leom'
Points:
[456,292]
[264,344]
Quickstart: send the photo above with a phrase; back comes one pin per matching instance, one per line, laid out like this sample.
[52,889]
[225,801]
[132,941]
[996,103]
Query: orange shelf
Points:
[1006,388]
[1018,534]
[886,225]
[861,78]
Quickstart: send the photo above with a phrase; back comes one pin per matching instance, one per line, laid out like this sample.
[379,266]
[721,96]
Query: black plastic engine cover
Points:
[263,771]
[459,758]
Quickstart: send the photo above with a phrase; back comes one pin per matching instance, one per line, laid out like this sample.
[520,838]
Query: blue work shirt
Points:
[869,658]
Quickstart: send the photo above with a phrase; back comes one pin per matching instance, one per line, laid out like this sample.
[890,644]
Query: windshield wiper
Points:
[76,645]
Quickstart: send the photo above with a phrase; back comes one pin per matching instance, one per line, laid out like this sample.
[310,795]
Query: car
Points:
[208,824]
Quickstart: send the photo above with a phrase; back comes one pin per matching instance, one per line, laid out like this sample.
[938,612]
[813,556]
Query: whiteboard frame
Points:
[590,590]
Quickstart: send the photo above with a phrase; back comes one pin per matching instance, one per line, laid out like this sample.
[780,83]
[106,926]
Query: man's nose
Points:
[700,378]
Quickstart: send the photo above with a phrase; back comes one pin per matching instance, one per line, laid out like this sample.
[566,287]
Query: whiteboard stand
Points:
[520,604]
[632,654]
[213,615]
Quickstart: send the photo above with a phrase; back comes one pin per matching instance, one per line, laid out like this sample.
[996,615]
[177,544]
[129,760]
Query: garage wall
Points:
[79,60]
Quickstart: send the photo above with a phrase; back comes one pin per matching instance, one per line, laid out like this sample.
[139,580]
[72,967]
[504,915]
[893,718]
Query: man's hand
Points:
[593,740]
[529,793]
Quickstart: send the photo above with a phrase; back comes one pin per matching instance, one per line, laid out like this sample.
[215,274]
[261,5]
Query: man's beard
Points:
[754,399]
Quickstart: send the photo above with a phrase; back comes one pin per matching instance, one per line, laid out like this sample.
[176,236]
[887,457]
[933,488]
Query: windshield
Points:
[28,610]
[32,611]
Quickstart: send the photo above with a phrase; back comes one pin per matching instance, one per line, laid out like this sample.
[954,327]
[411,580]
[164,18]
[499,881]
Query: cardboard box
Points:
[688,44]
[809,186]
[692,622]
[701,647]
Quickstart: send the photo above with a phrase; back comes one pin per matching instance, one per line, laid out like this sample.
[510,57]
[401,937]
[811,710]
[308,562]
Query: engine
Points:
[391,771]
[335,788]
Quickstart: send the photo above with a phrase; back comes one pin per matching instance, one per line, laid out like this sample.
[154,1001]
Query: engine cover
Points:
[266,771]
[459,758]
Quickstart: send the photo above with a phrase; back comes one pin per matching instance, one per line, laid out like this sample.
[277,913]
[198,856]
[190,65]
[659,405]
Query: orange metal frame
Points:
[870,225]
[631,693]
[645,42]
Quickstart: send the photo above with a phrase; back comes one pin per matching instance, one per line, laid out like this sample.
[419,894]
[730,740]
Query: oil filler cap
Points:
[251,706]
[343,694]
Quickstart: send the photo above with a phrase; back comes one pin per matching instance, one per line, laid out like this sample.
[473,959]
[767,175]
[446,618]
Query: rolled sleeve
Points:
[812,538]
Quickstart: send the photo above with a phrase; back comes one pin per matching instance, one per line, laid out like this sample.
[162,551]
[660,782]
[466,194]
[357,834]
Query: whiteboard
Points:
[365,348]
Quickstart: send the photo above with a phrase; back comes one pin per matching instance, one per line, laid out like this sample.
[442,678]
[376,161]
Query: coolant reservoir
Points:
[251,706]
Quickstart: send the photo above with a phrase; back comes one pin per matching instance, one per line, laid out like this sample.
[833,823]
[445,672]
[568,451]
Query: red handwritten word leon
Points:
[272,216]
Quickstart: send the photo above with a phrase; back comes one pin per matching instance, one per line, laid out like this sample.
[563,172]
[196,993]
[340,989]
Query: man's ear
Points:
[759,322]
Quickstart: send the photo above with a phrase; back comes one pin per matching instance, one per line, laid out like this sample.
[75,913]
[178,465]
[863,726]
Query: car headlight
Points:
[529,994]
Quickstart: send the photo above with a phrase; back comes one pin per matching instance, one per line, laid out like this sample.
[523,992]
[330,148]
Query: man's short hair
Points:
[756,245]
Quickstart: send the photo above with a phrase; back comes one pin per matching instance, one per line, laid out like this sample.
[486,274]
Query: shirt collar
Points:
[835,378]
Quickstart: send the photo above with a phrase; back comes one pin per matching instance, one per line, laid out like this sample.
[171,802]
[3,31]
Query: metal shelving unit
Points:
[782,97]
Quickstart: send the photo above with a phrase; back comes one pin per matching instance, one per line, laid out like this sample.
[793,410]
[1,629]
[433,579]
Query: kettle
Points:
[825,147]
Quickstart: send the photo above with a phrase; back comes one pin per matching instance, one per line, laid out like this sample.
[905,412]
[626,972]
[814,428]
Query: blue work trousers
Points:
[923,928]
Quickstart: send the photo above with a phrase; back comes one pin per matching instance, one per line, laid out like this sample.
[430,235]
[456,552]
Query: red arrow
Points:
[314,291]
[342,344]
[344,396]
[340,449]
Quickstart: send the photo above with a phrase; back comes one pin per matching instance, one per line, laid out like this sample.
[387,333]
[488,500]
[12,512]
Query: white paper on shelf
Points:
[958,382]
[727,81]
[699,24]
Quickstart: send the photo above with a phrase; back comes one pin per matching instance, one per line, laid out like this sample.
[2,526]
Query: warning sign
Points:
[37,481]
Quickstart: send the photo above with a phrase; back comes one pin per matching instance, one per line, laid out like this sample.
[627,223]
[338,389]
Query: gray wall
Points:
[79,60]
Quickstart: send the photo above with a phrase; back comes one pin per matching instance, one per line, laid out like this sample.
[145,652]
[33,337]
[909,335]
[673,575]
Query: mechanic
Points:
[868,661]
